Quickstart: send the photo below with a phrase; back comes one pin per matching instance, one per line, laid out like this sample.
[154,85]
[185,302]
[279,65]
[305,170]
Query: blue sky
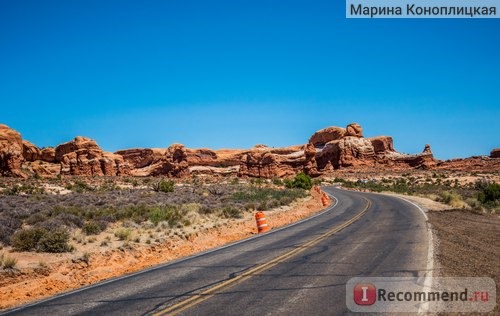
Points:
[232,74]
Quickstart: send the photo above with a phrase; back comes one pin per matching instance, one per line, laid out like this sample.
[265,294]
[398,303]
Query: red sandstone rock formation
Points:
[325,135]
[328,149]
[83,157]
[354,129]
[495,153]
[171,161]
[11,152]
[31,152]
[266,162]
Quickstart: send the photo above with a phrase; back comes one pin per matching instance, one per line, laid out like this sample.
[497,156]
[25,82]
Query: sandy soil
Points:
[468,245]
[40,275]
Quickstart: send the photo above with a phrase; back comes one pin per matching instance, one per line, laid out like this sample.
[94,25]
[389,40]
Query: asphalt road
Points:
[299,270]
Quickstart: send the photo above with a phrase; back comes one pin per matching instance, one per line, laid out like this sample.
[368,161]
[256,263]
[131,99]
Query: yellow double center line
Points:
[198,298]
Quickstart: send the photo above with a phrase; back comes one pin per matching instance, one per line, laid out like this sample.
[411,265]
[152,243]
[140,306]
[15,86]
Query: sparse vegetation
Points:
[482,196]
[46,222]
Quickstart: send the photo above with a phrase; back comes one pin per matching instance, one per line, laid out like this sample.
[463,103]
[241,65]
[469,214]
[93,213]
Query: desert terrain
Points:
[74,214]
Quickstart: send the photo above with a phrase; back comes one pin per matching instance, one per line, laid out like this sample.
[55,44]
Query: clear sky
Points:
[232,74]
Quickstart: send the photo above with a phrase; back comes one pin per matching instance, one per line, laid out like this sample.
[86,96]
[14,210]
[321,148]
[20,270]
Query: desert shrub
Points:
[277,181]
[232,212]
[79,187]
[70,220]
[205,210]
[490,193]
[250,206]
[24,189]
[7,262]
[27,239]
[8,225]
[86,257]
[257,181]
[191,208]
[123,233]
[301,181]
[169,213]
[164,186]
[215,190]
[41,239]
[36,218]
[94,227]
[54,241]
[259,195]
[51,224]
[452,199]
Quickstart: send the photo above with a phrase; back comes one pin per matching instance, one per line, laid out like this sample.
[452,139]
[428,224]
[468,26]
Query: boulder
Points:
[11,152]
[310,165]
[202,157]
[354,129]
[76,144]
[170,162]
[48,154]
[495,153]
[427,150]
[382,144]
[323,136]
[266,162]
[140,157]
[31,152]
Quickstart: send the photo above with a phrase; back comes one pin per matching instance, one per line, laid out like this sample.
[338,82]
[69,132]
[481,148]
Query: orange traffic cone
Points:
[260,218]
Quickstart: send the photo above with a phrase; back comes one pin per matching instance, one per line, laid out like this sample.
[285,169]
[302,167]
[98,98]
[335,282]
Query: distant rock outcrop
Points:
[83,157]
[495,153]
[382,144]
[325,135]
[171,161]
[265,162]
[31,152]
[11,152]
[354,129]
[328,149]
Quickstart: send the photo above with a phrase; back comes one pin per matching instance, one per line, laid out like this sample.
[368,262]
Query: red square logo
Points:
[365,294]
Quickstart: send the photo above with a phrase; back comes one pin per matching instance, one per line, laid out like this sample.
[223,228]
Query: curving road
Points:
[298,270]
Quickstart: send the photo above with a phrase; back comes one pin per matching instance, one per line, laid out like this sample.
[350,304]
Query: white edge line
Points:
[427,285]
[163,265]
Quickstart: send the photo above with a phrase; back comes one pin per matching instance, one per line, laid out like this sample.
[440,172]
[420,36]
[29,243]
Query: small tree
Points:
[301,181]
[489,193]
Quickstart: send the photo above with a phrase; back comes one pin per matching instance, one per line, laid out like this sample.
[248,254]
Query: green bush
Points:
[54,241]
[169,213]
[301,181]
[41,239]
[489,193]
[27,239]
[164,186]
[93,227]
